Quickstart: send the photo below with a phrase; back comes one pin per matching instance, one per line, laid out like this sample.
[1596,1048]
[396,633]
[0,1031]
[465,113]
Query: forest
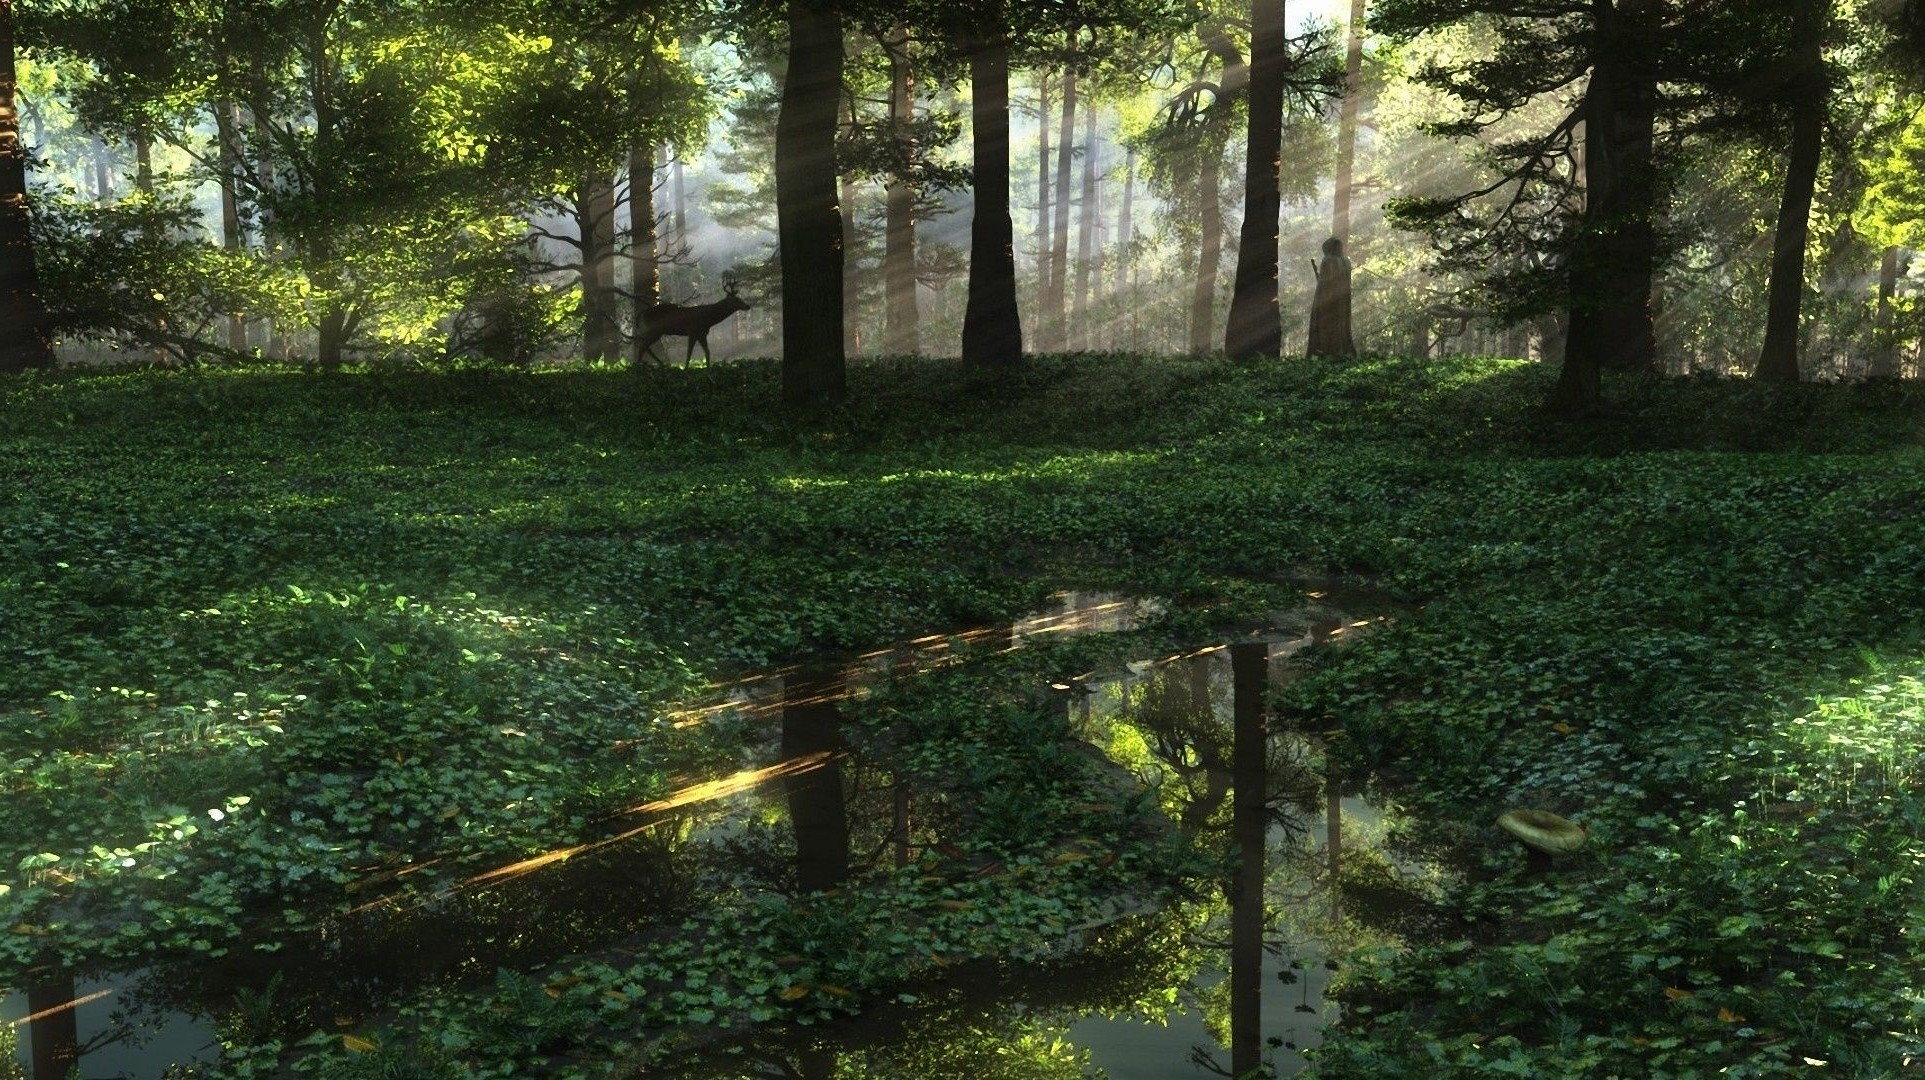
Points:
[995,539]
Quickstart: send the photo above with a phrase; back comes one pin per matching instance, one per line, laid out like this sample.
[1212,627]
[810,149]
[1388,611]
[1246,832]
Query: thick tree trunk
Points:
[645,278]
[1256,324]
[1884,362]
[25,339]
[1085,235]
[143,162]
[1778,362]
[992,326]
[1210,257]
[227,126]
[1346,182]
[809,219]
[1250,820]
[812,729]
[902,331]
[1054,323]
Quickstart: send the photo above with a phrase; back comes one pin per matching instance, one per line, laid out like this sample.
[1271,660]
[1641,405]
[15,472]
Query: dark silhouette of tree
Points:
[1256,324]
[25,341]
[808,214]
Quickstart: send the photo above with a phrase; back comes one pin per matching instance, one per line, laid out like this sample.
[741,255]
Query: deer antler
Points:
[729,285]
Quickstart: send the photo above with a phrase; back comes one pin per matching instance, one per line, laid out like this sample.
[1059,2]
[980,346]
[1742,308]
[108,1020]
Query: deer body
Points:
[693,323]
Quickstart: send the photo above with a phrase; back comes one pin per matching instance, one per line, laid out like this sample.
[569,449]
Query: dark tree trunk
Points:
[811,729]
[143,161]
[903,329]
[645,278]
[1346,184]
[1054,322]
[227,126]
[1778,363]
[809,220]
[600,332]
[1085,235]
[1256,325]
[103,172]
[851,273]
[1250,821]
[56,1034]
[26,341]
[1210,257]
[1884,363]
[681,202]
[992,326]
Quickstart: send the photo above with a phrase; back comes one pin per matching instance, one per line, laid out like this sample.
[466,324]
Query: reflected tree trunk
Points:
[812,725]
[1250,672]
[55,1029]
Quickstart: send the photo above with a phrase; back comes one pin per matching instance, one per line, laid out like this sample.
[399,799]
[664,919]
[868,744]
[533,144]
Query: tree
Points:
[809,217]
[1805,89]
[1255,324]
[992,326]
[24,338]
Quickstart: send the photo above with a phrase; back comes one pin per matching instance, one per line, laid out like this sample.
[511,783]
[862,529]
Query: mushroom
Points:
[1544,833]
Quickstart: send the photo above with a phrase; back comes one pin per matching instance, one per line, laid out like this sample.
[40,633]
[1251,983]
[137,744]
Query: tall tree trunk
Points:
[1353,88]
[681,201]
[1044,164]
[644,275]
[809,218]
[227,126]
[1778,362]
[903,330]
[600,336]
[1210,256]
[851,273]
[26,341]
[143,161]
[1256,323]
[1884,362]
[992,326]
[1054,322]
[1086,234]
[1250,820]
[103,172]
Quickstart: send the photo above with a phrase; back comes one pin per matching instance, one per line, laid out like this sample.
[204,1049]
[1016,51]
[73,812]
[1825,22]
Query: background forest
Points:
[1367,538]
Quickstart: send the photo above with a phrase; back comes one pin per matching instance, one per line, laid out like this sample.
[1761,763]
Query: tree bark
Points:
[26,341]
[1256,324]
[1085,236]
[1054,322]
[811,727]
[143,161]
[902,331]
[596,215]
[1043,165]
[1210,256]
[809,219]
[1884,362]
[1250,819]
[644,275]
[227,125]
[992,326]
[681,201]
[1346,183]
[1778,362]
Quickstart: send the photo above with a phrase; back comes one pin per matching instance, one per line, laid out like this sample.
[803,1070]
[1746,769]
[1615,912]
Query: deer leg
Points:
[689,356]
[708,358]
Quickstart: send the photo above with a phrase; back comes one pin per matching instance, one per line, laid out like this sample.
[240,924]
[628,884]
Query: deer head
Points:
[730,297]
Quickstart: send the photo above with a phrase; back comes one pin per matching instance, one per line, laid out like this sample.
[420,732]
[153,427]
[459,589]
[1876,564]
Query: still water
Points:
[1231,977]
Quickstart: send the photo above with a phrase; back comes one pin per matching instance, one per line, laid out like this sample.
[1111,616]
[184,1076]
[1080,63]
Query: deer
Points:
[693,323]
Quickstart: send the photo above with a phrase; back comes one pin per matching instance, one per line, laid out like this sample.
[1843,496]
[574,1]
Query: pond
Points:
[1228,971]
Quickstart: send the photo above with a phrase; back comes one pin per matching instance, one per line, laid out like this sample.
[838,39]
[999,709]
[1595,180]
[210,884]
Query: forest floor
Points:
[274,646]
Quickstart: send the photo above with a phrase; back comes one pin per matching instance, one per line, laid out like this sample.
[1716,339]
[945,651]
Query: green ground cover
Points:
[267,640]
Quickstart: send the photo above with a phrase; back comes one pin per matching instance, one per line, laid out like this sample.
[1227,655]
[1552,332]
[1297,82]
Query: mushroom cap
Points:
[1543,830]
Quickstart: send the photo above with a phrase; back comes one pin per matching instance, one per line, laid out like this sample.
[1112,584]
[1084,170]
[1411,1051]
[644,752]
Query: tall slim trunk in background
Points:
[645,278]
[227,127]
[1210,255]
[992,326]
[26,341]
[681,201]
[103,171]
[808,216]
[1043,165]
[1085,234]
[1054,323]
[143,161]
[1778,362]
[851,274]
[1125,234]
[902,329]
[601,332]
[1884,360]
[1353,87]
[1256,322]
[331,323]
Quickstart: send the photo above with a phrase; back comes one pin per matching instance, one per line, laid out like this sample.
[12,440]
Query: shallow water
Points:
[803,813]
